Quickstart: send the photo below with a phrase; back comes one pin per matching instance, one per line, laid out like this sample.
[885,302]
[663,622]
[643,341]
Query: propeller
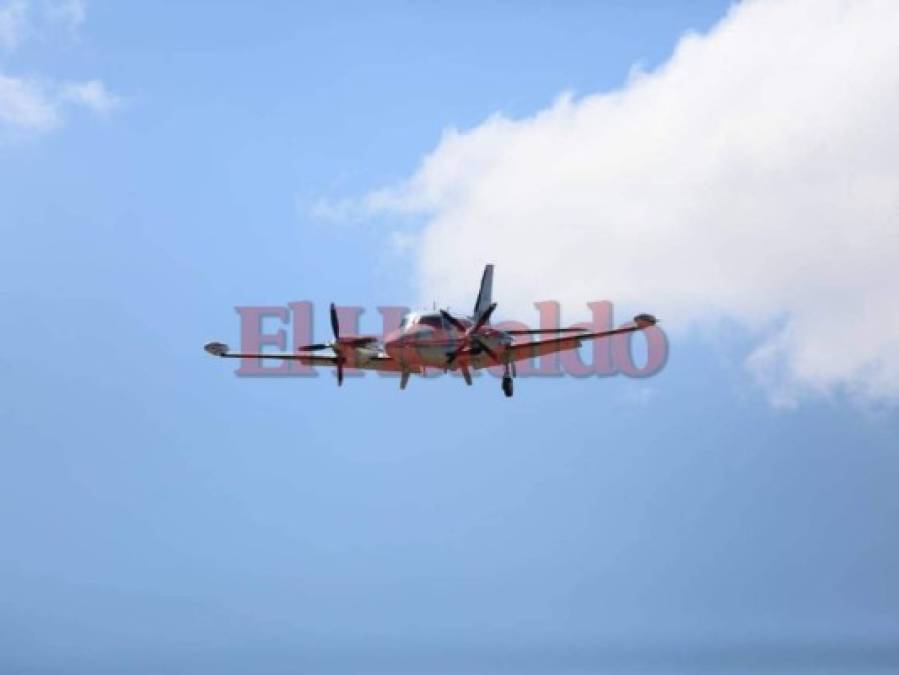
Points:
[470,335]
[336,346]
[318,346]
[339,361]
[335,324]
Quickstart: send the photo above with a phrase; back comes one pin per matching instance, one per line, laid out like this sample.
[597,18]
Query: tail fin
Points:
[485,294]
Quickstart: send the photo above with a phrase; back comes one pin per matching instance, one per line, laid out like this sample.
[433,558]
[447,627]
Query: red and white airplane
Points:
[439,340]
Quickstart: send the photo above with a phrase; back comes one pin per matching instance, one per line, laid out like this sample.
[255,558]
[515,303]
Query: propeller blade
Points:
[484,318]
[453,355]
[313,348]
[335,324]
[339,372]
[458,325]
[483,345]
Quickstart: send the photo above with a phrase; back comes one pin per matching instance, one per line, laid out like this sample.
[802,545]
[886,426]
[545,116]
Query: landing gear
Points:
[466,374]
[508,374]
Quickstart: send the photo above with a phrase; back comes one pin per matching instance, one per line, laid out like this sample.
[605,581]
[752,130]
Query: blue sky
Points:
[160,515]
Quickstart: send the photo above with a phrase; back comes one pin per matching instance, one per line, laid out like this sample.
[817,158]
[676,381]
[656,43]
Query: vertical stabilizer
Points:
[485,294]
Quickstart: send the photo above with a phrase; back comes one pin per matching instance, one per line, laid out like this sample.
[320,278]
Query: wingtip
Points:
[216,348]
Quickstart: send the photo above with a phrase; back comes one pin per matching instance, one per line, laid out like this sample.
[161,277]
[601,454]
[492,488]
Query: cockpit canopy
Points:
[433,320]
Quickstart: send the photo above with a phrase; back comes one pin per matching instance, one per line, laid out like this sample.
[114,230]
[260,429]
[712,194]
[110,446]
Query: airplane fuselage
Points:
[424,346]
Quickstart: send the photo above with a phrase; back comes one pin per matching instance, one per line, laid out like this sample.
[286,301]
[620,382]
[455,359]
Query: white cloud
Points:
[92,94]
[22,20]
[29,104]
[753,177]
[25,105]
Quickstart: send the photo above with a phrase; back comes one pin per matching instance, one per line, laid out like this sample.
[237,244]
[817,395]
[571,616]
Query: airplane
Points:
[439,340]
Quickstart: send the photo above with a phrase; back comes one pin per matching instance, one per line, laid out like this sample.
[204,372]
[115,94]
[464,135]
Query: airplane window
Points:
[404,321]
[432,321]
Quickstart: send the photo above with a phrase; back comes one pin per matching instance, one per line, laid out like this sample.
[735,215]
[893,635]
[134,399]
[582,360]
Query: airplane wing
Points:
[382,363]
[530,350]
